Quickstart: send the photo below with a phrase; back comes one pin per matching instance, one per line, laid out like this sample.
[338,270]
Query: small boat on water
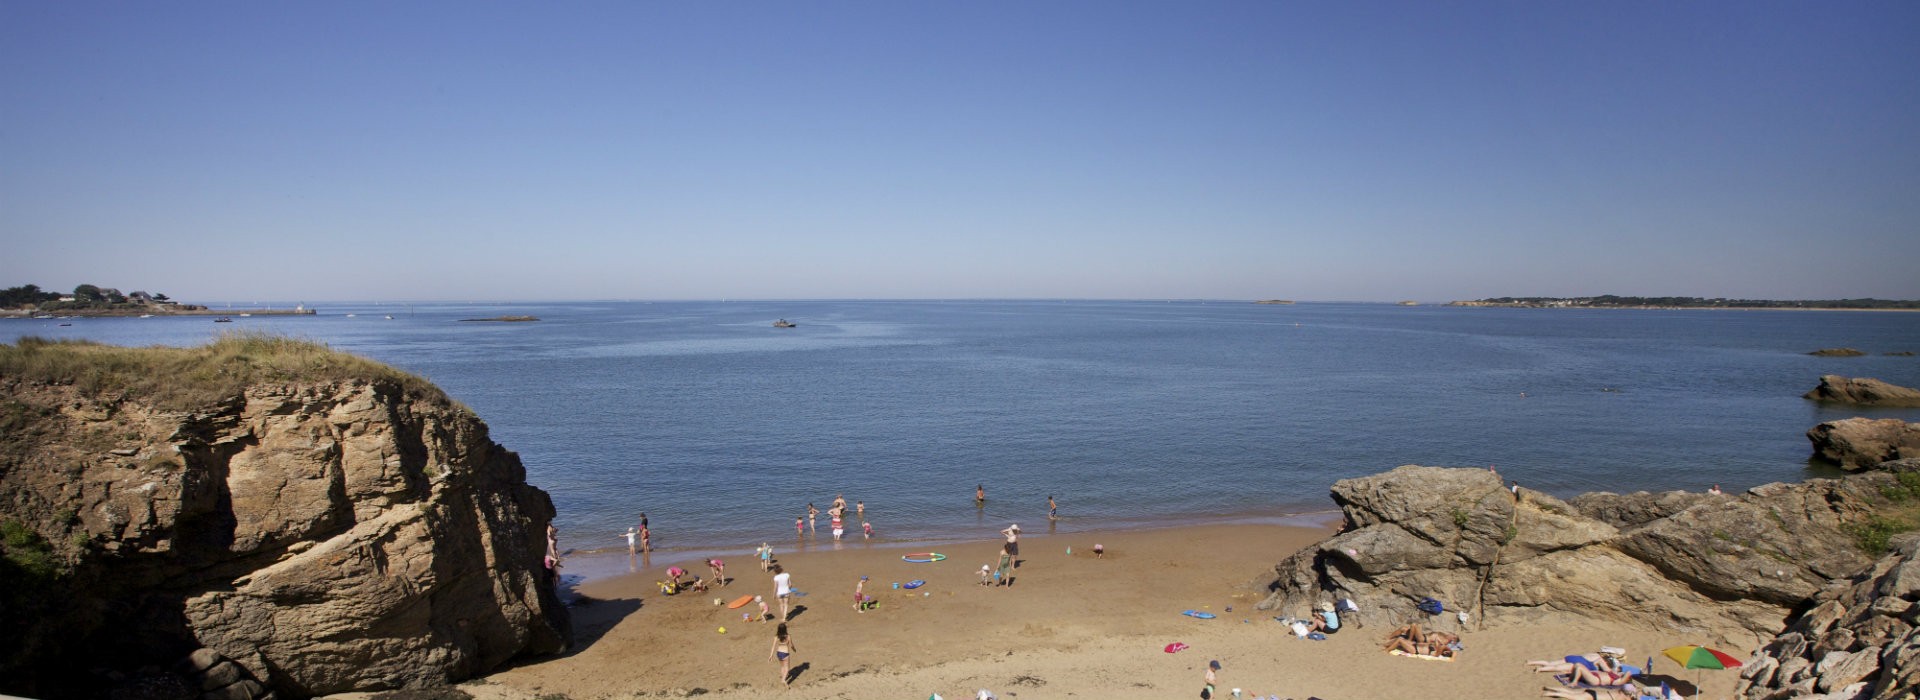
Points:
[146,315]
[223,319]
[783,323]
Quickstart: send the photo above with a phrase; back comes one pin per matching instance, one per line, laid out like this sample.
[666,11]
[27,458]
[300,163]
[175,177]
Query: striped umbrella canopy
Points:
[1696,656]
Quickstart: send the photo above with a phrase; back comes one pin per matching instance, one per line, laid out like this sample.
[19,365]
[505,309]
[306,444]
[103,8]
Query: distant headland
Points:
[29,301]
[1609,301]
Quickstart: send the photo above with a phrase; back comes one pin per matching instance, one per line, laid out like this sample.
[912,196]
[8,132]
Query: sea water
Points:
[722,428]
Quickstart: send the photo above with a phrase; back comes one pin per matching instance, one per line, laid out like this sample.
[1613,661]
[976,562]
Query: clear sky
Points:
[704,150]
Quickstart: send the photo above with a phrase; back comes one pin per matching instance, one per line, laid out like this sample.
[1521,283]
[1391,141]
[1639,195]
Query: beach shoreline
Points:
[1071,625]
[584,564]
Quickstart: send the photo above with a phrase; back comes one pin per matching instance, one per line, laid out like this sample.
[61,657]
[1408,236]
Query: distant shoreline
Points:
[156,313]
[1489,305]
[1617,301]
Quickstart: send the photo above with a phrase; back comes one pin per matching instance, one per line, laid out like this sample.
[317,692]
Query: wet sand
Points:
[1069,626]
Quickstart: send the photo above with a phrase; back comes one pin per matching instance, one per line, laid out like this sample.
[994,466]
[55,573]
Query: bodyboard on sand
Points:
[742,600]
[916,583]
[1422,657]
[1198,614]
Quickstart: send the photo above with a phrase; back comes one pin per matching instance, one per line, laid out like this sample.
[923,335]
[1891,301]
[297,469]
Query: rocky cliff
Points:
[289,519]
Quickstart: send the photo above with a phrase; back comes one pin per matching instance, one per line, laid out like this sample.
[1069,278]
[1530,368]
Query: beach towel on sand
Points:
[1423,657]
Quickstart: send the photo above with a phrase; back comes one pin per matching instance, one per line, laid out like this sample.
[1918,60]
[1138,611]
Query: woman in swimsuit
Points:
[783,649]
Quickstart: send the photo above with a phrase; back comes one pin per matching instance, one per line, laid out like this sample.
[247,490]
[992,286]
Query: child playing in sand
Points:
[765,615]
[860,595]
[1099,551]
[986,574]
[719,570]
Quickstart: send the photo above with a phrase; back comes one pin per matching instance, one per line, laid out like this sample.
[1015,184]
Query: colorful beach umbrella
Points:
[1696,656]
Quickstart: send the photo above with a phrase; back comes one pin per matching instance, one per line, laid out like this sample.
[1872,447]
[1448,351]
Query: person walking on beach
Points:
[1012,534]
[553,541]
[812,513]
[766,556]
[782,589]
[1003,574]
[783,650]
[1212,668]
[860,596]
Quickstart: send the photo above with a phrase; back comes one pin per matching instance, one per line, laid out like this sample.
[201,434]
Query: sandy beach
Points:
[1069,626]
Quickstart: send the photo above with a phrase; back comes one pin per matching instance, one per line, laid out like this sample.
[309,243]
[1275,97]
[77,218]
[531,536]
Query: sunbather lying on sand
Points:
[1602,669]
[1625,692]
[1410,639]
[1565,666]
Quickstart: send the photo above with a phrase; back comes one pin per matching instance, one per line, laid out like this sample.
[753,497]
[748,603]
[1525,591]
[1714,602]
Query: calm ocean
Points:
[722,428]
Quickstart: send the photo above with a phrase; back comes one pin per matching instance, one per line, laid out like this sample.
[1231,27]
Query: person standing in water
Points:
[860,510]
[1053,509]
[980,495]
[812,513]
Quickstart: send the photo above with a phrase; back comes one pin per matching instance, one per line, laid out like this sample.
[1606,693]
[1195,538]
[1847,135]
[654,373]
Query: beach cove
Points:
[1070,626]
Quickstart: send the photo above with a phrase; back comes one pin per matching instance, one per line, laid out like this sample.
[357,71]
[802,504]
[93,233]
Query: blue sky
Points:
[1304,150]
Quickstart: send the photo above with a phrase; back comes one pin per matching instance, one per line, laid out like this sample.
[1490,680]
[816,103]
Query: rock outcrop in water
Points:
[352,533]
[1717,563]
[1864,391]
[1864,443]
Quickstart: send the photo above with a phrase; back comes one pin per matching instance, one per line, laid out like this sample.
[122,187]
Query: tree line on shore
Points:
[85,296]
[1609,300]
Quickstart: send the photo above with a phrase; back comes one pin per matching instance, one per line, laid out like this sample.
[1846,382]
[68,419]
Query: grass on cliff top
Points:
[195,378]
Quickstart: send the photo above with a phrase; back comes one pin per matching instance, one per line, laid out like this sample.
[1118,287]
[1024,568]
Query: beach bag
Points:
[1316,636]
[1430,606]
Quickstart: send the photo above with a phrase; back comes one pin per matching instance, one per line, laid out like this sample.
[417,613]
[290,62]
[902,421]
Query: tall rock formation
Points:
[352,532]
